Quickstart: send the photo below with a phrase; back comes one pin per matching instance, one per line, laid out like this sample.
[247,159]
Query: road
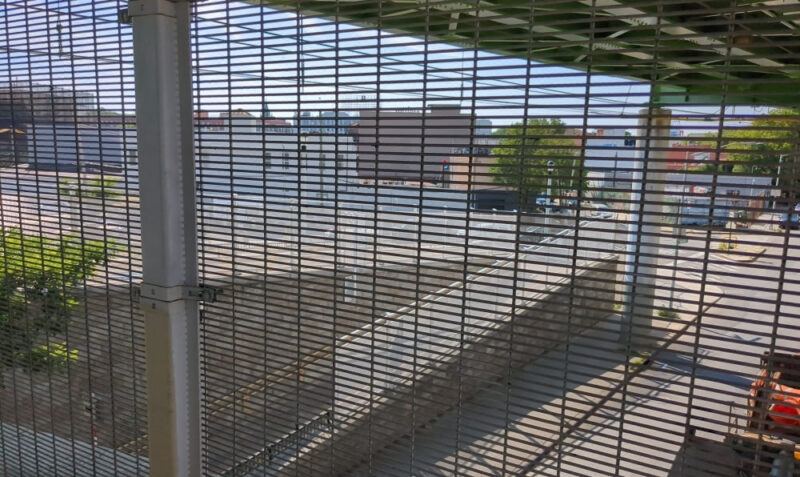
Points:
[702,379]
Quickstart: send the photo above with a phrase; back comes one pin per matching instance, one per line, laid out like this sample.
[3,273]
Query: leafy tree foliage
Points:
[768,146]
[758,148]
[522,153]
[40,280]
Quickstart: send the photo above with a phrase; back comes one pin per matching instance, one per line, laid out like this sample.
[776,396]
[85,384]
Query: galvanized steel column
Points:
[169,247]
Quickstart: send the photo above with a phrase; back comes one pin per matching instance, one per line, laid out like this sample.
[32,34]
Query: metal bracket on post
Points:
[151,296]
[138,8]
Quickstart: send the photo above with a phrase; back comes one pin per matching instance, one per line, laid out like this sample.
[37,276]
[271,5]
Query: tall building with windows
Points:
[26,102]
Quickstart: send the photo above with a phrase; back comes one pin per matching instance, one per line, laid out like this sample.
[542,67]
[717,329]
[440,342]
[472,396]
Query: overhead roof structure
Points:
[685,50]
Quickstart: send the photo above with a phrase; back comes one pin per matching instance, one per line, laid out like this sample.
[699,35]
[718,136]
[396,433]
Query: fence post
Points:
[162,66]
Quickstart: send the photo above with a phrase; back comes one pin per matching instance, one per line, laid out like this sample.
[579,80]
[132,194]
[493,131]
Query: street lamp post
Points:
[547,197]
[778,180]
[677,227]
[752,184]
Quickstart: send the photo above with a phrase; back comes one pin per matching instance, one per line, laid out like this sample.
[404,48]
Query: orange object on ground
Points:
[783,401]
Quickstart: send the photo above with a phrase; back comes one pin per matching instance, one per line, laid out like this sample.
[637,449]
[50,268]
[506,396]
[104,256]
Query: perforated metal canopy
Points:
[683,49]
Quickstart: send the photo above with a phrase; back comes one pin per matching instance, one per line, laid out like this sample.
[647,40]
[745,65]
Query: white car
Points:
[599,210]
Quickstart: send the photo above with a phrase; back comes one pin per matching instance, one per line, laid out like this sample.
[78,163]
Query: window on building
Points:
[131,155]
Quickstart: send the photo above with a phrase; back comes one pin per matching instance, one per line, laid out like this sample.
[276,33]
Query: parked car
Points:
[696,212]
[792,221]
[596,209]
[541,203]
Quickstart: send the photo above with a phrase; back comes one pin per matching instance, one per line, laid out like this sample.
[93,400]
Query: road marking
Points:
[725,268]
[712,257]
[709,278]
[734,267]
[723,257]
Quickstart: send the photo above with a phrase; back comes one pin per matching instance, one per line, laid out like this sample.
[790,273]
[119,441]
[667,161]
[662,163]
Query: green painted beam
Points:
[736,94]
[688,59]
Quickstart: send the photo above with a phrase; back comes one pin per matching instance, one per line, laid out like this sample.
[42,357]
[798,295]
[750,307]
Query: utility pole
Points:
[548,197]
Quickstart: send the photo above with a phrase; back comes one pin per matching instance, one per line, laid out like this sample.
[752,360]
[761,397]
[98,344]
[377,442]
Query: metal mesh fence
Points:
[445,252]
[72,398]
[444,238]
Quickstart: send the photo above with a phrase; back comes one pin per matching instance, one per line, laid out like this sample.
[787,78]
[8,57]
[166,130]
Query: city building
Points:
[609,150]
[271,157]
[325,122]
[69,147]
[692,155]
[36,102]
[416,145]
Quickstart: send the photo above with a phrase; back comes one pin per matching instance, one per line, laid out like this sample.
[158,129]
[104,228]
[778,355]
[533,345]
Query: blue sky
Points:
[247,54]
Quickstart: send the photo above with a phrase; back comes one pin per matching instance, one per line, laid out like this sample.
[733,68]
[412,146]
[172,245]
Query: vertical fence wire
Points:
[443,239]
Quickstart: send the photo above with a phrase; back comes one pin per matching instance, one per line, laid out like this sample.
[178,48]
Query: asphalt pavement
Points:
[701,379]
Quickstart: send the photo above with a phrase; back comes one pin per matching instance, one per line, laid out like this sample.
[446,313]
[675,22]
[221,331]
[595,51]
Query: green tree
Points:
[40,280]
[523,152]
[768,146]
[758,148]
